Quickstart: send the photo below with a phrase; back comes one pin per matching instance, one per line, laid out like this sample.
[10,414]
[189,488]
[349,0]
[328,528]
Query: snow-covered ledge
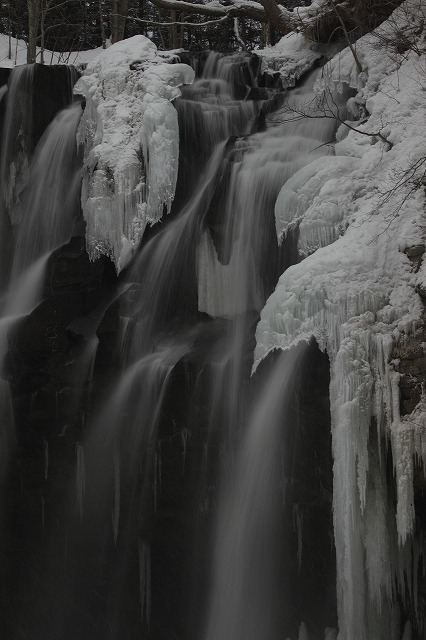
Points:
[131,144]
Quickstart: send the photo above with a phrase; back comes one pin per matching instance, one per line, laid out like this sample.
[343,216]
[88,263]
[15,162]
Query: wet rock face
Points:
[411,352]
[48,366]
[4,75]
[52,92]
[412,366]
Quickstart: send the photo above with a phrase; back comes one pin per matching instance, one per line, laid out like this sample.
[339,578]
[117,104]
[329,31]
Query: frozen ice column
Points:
[131,139]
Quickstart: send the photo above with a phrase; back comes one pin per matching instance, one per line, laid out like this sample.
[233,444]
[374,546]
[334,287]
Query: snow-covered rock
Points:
[130,133]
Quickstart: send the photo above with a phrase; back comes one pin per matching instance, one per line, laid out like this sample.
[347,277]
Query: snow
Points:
[291,57]
[131,138]
[355,292]
[19,54]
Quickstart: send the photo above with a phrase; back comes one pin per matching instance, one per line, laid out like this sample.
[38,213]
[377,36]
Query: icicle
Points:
[116,508]
[184,434]
[297,525]
[46,457]
[65,550]
[303,632]
[7,428]
[155,480]
[80,478]
[144,553]
[407,635]
[42,513]
[160,465]
[417,554]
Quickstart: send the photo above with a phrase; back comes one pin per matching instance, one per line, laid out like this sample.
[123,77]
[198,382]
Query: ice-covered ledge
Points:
[131,144]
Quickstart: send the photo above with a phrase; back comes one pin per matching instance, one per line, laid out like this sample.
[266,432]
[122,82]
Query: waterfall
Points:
[201,280]
[181,496]
[244,580]
[17,133]
[47,215]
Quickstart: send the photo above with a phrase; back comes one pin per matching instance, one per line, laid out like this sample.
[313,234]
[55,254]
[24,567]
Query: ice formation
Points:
[317,200]
[131,138]
[356,294]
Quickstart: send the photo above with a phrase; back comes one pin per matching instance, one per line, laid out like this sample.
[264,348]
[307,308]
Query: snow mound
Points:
[131,139]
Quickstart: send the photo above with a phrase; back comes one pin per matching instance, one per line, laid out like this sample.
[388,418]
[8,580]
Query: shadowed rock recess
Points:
[130,402]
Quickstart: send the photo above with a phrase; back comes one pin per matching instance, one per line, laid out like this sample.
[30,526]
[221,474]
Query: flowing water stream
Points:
[187,314]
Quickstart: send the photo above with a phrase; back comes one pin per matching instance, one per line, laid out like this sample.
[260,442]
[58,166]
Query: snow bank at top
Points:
[130,133]
[291,57]
[356,293]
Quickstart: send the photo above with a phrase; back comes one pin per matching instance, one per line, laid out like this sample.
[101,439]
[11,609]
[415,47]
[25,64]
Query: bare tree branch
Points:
[237,8]
[178,23]
[345,33]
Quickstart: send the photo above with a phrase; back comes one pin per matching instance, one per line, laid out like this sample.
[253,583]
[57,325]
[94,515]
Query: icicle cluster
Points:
[131,139]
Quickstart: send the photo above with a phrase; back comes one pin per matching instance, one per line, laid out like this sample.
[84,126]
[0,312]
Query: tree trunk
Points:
[265,35]
[102,25]
[119,12]
[42,22]
[113,20]
[33,21]
[10,34]
[174,40]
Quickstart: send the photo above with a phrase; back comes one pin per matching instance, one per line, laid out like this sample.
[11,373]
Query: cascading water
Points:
[245,561]
[47,216]
[211,259]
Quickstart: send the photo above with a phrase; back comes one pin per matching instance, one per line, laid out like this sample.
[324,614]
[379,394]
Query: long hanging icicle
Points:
[80,479]
[116,507]
[144,552]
